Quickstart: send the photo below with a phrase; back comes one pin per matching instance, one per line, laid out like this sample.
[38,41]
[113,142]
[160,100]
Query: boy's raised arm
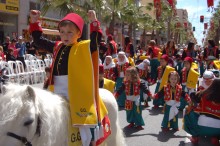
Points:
[95,31]
[35,30]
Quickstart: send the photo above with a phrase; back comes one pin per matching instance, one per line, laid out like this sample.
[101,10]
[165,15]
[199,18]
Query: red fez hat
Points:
[165,57]
[101,68]
[110,37]
[76,19]
[189,59]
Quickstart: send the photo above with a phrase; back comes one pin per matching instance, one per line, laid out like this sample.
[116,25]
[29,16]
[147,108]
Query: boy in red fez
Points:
[183,79]
[73,58]
[162,75]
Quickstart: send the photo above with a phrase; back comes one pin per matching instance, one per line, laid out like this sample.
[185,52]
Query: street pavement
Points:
[152,134]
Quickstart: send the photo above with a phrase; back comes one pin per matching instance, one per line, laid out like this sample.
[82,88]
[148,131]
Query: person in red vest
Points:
[204,119]
[67,69]
[129,48]
[170,49]
[211,50]
[153,52]
[189,51]
[112,47]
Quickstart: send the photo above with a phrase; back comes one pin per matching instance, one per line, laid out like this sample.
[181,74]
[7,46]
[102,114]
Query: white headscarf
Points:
[125,60]
[141,65]
[207,75]
[111,64]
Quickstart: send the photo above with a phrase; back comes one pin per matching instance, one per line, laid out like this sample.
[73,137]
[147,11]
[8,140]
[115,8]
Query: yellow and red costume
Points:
[66,79]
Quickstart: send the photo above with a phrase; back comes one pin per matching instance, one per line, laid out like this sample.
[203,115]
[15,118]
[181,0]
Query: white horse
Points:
[41,118]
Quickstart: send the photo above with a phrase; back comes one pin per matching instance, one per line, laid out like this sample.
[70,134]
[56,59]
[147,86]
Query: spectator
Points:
[6,44]
[21,50]
[2,55]
[13,47]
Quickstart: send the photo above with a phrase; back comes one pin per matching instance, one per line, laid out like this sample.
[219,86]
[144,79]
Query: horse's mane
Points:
[52,110]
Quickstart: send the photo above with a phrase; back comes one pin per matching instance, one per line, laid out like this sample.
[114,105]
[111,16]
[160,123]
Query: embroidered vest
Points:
[108,73]
[135,88]
[208,107]
[168,92]
[122,68]
[184,75]
[127,49]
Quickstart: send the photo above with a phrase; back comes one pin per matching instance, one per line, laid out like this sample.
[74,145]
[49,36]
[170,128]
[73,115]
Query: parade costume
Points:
[67,66]
[129,50]
[113,47]
[119,73]
[145,77]
[162,77]
[109,69]
[170,51]
[102,50]
[188,80]
[132,103]
[172,102]
[208,75]
[154,52]
[106,83]
[204,120]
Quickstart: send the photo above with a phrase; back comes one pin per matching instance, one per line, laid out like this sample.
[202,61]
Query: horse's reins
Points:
[24,139]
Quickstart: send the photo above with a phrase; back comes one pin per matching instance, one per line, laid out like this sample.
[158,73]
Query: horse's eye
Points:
[29,122]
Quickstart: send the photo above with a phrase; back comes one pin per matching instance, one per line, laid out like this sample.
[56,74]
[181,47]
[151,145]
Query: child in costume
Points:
[132,85]
[104,82]
[204,120]
[108,68]
[153,52]
[171,92]
[119,73]
[188,79]
[67,80]
[206,81]
[144,73]
[162,74]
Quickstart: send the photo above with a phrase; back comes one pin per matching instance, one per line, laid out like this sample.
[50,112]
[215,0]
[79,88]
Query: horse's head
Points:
[19,115]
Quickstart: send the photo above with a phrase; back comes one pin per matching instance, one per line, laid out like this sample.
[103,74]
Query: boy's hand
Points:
[34,16]
[92,15]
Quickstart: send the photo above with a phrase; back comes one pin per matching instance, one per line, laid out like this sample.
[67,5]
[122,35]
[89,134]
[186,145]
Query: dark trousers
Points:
[22,60]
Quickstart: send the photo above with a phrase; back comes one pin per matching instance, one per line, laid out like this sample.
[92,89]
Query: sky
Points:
[195,9]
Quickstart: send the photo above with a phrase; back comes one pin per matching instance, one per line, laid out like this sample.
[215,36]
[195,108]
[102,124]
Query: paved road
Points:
[152,134]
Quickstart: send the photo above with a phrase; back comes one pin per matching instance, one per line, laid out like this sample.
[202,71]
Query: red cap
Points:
[110,37]
[189,59]
[76,19]
[165,57]
[101,69]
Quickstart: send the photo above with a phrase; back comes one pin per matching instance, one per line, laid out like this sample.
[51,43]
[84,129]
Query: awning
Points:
[50,31]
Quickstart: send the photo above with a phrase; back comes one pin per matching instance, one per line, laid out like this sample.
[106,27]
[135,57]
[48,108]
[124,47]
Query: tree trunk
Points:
[112,24]
[152,35]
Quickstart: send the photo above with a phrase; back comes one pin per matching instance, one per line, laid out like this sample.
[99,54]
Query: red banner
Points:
[185,24]
[205,25]
[157,6]
[210,3]
[170,2]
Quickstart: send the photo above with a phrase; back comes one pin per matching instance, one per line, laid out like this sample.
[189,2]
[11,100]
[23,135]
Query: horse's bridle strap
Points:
[22,139]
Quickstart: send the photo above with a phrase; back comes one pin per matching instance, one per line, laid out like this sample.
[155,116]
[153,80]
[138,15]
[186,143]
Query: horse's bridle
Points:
[24,139]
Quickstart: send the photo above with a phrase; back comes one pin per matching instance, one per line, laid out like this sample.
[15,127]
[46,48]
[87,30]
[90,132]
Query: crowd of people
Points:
[127,72]
[176,72]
